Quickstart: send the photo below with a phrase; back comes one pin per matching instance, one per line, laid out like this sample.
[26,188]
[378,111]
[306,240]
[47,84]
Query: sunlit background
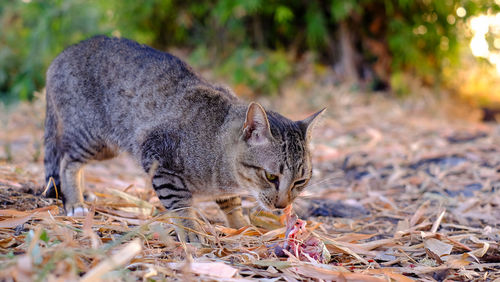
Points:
[486,27]
[481,81]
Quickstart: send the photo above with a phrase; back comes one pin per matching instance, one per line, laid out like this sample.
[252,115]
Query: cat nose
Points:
[280,205]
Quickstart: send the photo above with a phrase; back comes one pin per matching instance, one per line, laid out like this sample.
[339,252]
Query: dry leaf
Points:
[213,269]
[118,259]
[438,247]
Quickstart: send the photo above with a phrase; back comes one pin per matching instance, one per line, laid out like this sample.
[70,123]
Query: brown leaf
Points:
[315,272]
[436,249]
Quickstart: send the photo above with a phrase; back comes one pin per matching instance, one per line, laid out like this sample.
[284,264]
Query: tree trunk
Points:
[257,31]
[347,54]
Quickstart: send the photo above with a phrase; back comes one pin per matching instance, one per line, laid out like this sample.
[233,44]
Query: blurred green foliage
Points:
[250,42]
[32,34]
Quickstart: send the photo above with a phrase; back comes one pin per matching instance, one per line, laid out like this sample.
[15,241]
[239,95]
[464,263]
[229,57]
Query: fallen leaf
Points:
[116,260]
[213,269]
[435,249]
[332,275]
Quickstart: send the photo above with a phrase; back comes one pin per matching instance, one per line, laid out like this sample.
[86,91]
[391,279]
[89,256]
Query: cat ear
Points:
[310,122]
[256,127]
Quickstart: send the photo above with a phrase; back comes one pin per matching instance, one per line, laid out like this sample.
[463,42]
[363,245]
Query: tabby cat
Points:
[110,95]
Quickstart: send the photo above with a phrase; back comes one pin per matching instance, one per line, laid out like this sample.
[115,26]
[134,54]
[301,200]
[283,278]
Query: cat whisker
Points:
[259,210]
[323,181]
[264,202]
[231,210]
[328,179]
[300,208]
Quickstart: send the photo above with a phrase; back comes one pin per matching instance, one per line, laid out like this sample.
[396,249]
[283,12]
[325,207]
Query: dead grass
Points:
[415,191]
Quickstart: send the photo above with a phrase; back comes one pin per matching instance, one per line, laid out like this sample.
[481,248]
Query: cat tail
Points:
[52,158]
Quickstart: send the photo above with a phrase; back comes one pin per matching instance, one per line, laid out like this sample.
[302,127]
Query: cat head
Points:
[274,162]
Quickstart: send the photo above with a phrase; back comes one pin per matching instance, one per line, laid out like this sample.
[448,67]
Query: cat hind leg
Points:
[71,173]
[81,146]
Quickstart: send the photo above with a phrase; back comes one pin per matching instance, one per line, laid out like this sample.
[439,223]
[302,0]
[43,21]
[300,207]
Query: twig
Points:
[118,259]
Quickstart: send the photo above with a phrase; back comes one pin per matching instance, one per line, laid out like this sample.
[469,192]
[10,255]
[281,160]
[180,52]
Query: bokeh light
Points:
[483,26]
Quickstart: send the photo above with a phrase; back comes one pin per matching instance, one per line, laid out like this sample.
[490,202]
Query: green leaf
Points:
[250,6]
[316,27]
[341,9]
[283,14]
[44,236]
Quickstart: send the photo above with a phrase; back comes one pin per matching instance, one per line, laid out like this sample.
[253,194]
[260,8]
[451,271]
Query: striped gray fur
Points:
[109,95]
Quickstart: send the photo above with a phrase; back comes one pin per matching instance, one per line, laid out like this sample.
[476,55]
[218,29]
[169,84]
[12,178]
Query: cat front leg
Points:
[231,206]
[174,195]
[186,226]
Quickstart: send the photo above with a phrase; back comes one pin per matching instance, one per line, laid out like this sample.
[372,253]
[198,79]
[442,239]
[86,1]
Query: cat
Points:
[109,95]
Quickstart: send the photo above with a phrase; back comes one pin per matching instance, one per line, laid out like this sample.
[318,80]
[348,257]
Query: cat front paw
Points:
[195,239]
[76,210]
[191,237]
[189,231]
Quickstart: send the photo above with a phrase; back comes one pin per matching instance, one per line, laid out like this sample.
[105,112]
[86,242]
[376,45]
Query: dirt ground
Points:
[403,190]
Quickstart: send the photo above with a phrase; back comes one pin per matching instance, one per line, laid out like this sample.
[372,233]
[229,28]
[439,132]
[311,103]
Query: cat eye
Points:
[271,177]
[299,182]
